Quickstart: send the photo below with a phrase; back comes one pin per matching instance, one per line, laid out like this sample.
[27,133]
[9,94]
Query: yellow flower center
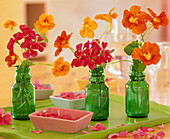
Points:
[86,26]
[147,56]
[132,19]
[157,20]
[12,58]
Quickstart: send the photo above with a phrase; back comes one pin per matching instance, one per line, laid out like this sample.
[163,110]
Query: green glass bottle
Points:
[23,94]
[137,95]
[97,94]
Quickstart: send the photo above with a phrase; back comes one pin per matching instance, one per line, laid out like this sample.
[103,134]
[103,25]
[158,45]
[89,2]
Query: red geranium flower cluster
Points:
[31,43]
[90,54]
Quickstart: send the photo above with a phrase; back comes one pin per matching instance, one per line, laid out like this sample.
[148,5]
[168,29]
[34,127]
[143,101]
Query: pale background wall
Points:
[69,15]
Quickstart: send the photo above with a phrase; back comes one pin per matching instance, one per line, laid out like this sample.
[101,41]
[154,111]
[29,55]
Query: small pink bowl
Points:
[61,125]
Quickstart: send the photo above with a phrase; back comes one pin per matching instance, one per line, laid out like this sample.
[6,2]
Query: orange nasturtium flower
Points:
[158,21]
[61,68]
[87,28]
[135,19]
[148,54]
[62,41]
[10,24]
[107,17]
[11,58]
[45,22]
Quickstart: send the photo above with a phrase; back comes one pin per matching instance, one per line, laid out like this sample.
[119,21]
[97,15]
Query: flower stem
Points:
[44,64]
[71,49]
[120,61]
[104,32]
[142,35]
[98,43]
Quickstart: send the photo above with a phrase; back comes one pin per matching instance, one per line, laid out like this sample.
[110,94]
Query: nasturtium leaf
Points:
[129,48]
[138,66]
[112,50]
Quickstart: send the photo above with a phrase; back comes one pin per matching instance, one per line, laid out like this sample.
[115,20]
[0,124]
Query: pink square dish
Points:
[61,125]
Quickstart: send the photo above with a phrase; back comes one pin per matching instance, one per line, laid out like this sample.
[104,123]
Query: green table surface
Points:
[158,114]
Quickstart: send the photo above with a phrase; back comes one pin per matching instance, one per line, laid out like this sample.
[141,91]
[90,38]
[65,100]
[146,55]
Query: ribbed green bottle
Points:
[23,94]
[137,95]
[97,94]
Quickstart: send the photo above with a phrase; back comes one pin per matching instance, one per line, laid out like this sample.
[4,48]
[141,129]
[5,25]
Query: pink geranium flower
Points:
[6,119]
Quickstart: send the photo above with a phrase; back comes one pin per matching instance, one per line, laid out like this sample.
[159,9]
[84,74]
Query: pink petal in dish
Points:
[92,128]
[161,134]
[36,131]
[121,125]
[84,132]
[100,127]
[145,129]
[112,136]
[152,137]
[161,126]
[142,134]
[151,130]
[49,87]
[136,136]
[123,134]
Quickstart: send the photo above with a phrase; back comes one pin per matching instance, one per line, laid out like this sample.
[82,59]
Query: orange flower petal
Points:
[156,59]
[139,28]
[143,17]
[60,68]
[58,51]
[88,25]
[134,9]
[137,54]
[45,22]
[90,34]
[62,41]
[164,19]
[113,15]
[148,54]
[151,12]
[100,16]
[9,24]
[83,33]
[93,25]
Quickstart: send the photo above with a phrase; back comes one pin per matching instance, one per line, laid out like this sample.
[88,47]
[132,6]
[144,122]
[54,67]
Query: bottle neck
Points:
[22,74]
[97,75]
[136,76]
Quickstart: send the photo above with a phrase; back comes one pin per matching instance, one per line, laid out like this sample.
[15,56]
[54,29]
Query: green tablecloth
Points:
[158,114]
